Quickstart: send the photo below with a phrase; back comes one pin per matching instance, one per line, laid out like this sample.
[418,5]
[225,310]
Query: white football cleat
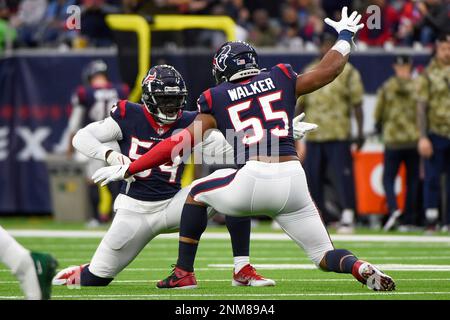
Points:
[248,276]
[369,275]
[68,276]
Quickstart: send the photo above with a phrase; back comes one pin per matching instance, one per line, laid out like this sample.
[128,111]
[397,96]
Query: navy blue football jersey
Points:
[97,101]
[255,115]
[140,133]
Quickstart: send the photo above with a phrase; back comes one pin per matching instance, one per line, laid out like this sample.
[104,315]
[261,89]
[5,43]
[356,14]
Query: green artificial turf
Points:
[138,280]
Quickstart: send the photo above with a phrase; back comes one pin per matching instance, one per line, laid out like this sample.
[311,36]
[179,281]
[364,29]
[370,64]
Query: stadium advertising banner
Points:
[35,105]
[34,109]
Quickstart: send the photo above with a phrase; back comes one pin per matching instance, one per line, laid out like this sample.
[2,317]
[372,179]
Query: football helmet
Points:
[93,68]
[164,93]
[235,60]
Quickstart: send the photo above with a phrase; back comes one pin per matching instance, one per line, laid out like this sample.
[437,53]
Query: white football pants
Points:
[132,230]
[279,190]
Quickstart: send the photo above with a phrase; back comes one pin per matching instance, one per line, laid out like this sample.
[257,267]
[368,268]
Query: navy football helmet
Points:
[235,60]
[93,68]
[164,93]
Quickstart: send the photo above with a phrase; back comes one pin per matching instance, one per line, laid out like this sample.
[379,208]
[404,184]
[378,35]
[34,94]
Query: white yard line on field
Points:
[256,295]
[391,267]
[281,280]
[273,259]
[224,235]
[228,267]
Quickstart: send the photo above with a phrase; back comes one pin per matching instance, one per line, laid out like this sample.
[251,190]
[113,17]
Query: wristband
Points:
[346,35]
[343,47]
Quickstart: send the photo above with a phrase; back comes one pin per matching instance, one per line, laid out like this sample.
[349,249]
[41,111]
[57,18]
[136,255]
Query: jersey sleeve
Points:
[287,71]
[118,111]
[379,105]
[422,86]
[79,98]
[204,102]
[356,88]
[124,91]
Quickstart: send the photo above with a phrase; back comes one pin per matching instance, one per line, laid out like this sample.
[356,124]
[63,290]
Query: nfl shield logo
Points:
[160,131]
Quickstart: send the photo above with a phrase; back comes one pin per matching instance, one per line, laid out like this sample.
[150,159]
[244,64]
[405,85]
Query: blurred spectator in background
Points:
[8,8]
[92,102]
[7,33]
[333,8]
[409,18]
[435,19]
[262,33]
[290,33]
[383,34]
[27,21]
[273,7]
[94,30]
[302,21]
[329,148]
[433,91]
[53,28]
[310,17]
[241,16]
[395,117]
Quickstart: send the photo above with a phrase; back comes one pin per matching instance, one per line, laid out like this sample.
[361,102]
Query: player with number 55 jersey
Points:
[256,115]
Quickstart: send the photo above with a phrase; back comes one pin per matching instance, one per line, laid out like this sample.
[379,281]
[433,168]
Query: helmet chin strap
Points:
[163,118]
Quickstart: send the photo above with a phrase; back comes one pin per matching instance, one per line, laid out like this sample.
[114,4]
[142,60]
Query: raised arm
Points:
[335,59]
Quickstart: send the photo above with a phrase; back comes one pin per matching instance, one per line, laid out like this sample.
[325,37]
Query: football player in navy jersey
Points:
[253,109]
[151,202]
[92,102]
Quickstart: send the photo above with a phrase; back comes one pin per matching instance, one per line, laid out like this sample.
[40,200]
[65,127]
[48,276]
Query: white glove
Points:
[116,158]
[301,128]
[113,173]
[349,23]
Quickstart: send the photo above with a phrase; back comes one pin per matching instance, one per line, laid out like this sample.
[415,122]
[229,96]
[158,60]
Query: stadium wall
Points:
[36,87]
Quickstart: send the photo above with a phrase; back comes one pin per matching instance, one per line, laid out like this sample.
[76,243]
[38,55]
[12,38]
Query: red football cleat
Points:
[69,276]
[248,276]
[372,277]
[179,279]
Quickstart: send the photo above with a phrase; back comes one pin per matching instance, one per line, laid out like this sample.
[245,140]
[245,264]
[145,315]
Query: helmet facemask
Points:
[164,93]
[165,108]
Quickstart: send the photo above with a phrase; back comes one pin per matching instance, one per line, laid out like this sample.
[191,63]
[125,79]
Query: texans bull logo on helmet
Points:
[149,78]
[220,59]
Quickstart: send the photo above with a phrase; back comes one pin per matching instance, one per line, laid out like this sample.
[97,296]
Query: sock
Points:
[340,261]
[240,262]
[347,216]
[239,229]
[432,215]
[88,279]
[94,198]
[193,222]
[19,260]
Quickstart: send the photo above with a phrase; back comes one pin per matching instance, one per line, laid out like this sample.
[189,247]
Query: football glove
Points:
[113,173]
[116,158]
[349,23]
[301,128]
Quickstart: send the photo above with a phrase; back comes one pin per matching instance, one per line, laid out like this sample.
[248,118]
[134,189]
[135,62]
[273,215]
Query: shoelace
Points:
[252,274]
